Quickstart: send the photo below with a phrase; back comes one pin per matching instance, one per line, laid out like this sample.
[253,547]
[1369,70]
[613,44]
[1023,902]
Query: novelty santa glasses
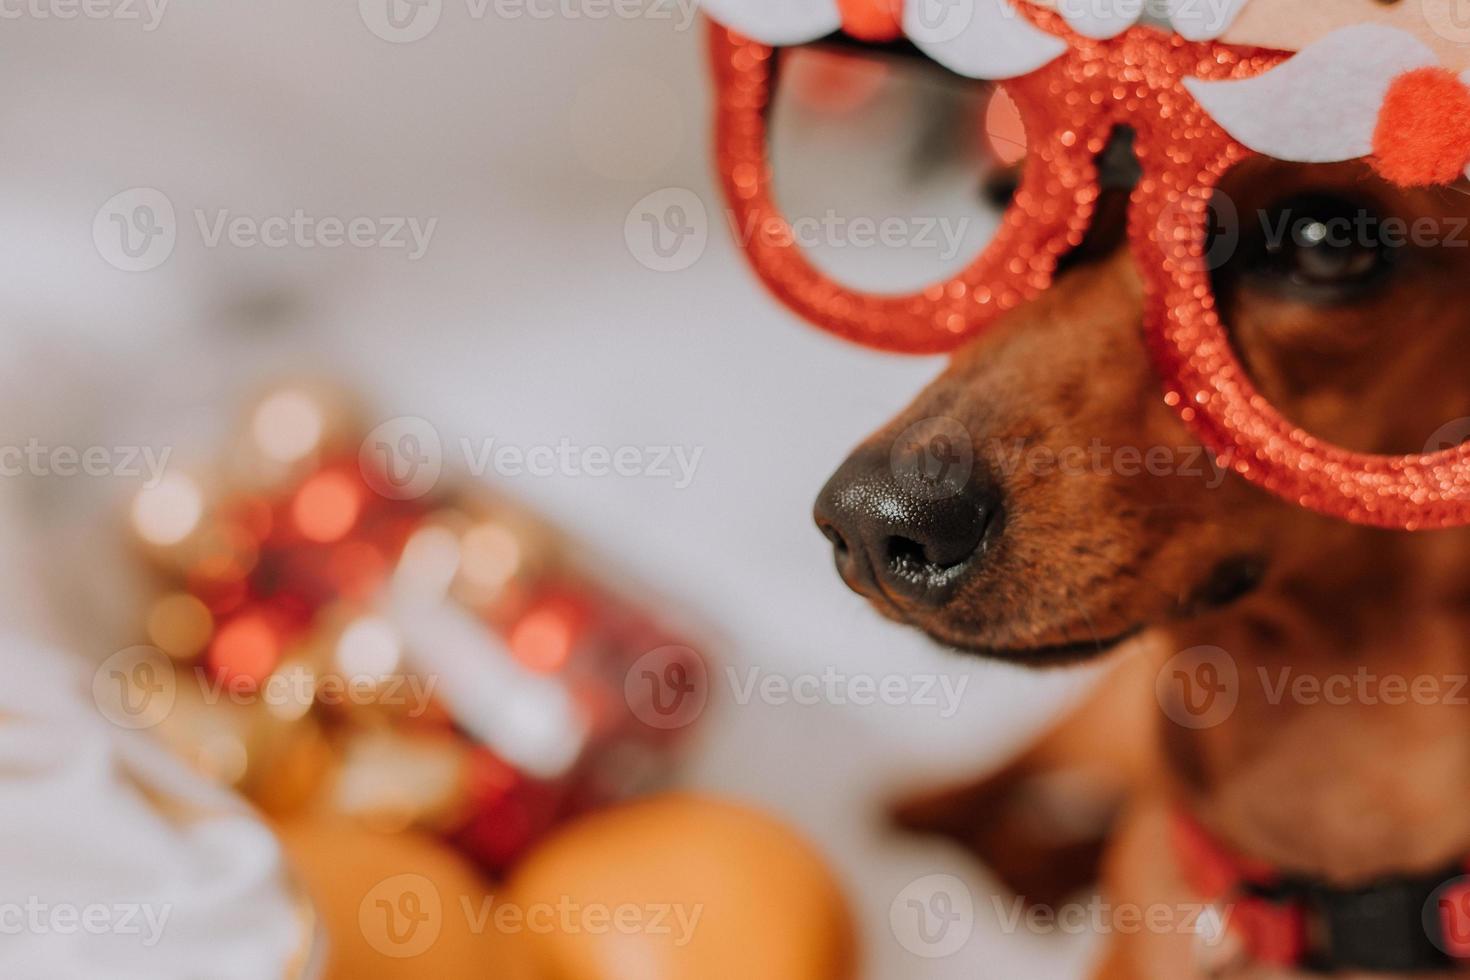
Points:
[1221,81]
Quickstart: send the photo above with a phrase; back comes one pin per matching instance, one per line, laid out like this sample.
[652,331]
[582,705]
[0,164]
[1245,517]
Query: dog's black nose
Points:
[909,521]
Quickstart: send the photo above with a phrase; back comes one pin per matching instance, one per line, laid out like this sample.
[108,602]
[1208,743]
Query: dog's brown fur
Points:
[1343,792]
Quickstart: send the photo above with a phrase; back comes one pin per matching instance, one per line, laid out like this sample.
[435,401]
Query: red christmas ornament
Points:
[282,574]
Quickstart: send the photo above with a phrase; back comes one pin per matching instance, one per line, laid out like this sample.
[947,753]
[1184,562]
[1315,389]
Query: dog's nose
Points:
[906,531]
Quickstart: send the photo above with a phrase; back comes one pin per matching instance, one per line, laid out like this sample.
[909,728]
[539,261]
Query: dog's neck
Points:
[1346,755]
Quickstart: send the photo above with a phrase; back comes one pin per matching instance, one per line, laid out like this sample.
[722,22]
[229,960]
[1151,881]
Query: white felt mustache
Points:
[987,39]
[1321,105]
[1203,20]
[977,38]
[777,22]
[1195,20]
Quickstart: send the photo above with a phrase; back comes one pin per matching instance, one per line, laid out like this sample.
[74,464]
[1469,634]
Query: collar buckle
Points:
[1391,926]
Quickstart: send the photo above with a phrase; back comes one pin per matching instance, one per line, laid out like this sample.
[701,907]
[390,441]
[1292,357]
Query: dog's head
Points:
[1040,501]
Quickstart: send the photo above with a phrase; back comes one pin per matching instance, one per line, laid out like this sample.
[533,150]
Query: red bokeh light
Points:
[327,506]
[545,637]
[245,649]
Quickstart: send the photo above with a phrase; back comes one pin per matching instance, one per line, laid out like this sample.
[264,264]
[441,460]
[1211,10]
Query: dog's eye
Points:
[1321,248]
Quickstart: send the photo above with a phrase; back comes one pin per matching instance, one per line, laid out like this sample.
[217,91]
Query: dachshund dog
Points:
[1292,683]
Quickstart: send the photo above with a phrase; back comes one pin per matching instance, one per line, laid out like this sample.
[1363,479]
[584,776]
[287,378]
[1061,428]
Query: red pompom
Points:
[872,20]
[1423,134]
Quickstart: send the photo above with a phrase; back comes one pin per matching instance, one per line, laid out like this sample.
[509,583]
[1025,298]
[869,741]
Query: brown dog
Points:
[1079,513]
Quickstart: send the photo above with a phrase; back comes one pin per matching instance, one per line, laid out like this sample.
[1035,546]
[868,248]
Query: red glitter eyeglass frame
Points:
[1070,108]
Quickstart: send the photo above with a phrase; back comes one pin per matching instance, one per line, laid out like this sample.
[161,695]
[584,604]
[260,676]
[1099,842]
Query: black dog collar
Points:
[1403,924]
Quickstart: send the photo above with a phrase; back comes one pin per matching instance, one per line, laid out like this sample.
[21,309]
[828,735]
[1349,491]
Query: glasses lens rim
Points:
[936,318]
[1208,386]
